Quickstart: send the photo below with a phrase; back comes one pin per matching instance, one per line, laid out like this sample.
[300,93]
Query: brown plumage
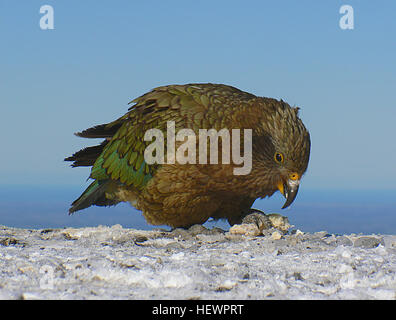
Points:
[181,195]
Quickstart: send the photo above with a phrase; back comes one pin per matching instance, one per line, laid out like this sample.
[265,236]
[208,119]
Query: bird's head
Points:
[284,150]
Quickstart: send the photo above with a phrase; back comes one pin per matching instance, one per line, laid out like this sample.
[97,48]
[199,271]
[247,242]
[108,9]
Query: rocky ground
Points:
[250,261]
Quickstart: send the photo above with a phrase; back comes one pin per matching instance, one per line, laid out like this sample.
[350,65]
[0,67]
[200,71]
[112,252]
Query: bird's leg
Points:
[254,216]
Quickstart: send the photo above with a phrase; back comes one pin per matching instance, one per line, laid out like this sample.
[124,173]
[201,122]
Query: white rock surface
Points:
[117,263]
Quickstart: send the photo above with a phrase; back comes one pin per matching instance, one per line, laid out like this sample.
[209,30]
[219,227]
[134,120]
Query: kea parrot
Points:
[183,194]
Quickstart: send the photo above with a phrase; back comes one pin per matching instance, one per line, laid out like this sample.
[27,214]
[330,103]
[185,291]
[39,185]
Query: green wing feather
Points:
[122,158]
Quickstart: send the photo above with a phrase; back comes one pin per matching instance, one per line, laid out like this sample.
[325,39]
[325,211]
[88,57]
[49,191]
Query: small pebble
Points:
[245,229]
[279,222]
[276,235]
[367,242]
[30,296]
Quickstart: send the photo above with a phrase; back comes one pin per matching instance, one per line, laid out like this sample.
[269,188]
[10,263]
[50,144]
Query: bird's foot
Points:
[258,218]
[253,216]
[262,223]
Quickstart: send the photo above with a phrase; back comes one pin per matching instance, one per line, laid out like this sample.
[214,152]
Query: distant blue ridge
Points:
[336,211]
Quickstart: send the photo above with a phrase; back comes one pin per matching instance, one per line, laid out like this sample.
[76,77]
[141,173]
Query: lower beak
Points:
[289,191]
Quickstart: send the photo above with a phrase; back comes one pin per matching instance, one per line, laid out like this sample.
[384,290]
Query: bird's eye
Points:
[279,157]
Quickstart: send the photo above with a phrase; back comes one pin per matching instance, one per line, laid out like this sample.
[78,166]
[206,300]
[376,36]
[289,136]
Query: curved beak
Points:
[289,190]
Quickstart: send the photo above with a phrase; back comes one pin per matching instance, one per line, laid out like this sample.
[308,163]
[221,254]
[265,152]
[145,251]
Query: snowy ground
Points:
[117,263]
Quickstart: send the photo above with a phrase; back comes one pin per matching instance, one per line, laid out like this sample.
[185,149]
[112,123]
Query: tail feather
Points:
[95,194]
[100,131]
[87,156]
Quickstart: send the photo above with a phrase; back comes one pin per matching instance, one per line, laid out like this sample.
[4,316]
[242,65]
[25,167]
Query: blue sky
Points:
[102,54]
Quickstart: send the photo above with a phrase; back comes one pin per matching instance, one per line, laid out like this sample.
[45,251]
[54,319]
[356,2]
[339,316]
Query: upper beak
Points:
[289,190]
